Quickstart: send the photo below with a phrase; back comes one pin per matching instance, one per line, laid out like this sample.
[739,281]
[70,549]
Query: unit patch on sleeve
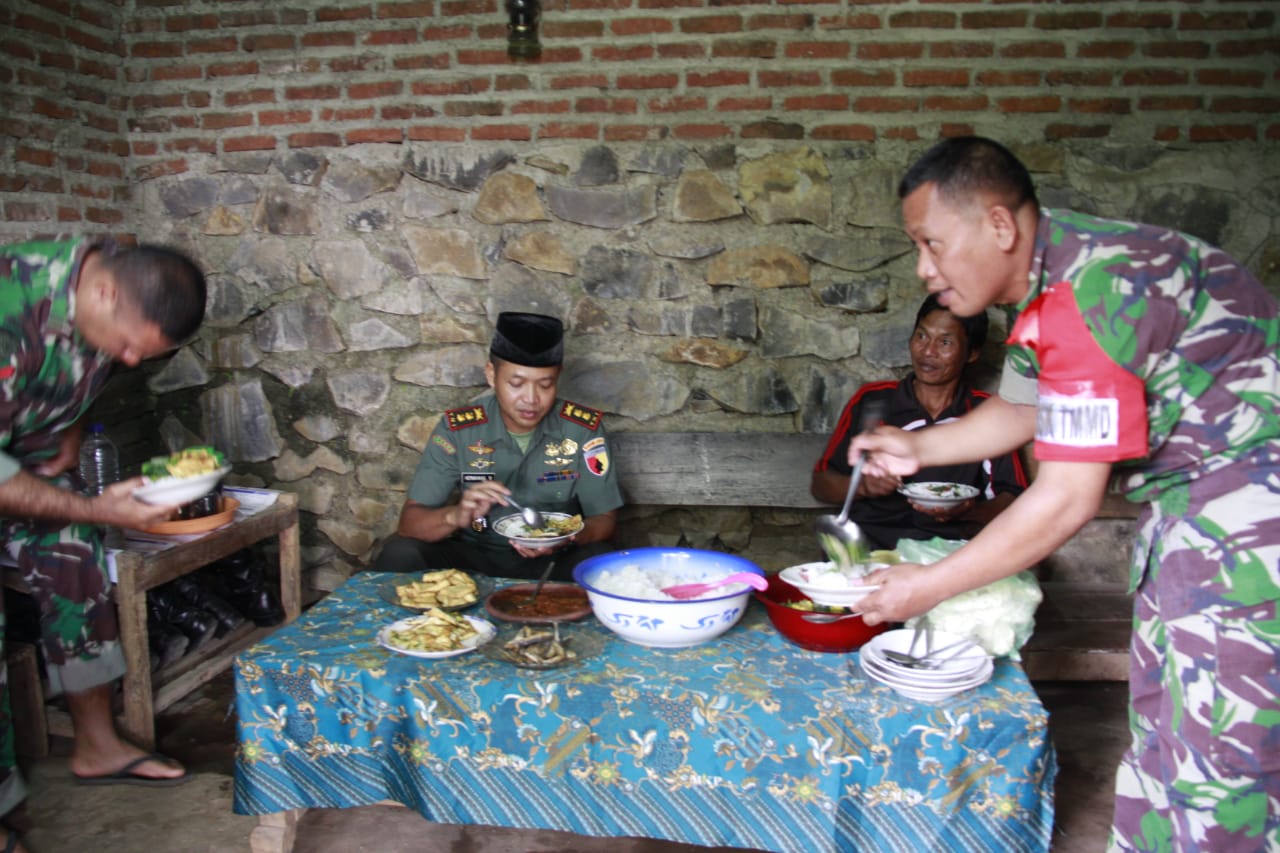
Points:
[462,418]
[581,415]
[444,444]
[595,453]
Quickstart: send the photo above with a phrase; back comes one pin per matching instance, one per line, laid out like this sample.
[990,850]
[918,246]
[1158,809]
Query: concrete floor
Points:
[1087,721]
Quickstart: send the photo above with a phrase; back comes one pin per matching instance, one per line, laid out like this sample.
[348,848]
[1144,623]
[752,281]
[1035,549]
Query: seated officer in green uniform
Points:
[519,441]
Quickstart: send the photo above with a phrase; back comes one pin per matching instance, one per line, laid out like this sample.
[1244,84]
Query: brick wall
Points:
[101,94]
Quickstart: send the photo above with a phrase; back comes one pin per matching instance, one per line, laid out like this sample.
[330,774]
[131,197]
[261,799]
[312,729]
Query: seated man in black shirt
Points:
[942,347]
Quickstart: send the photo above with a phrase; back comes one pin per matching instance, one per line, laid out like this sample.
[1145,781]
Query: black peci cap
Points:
[534,340]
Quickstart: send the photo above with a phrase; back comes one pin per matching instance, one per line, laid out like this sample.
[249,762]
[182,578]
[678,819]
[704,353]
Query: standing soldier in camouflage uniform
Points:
[67,311]
[1146,354]
[520,441]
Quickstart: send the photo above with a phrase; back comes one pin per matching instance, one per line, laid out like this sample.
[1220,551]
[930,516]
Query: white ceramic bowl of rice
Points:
[625,590]
[831,585]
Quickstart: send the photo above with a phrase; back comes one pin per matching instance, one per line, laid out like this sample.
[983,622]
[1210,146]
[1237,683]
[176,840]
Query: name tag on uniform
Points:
[1078,422]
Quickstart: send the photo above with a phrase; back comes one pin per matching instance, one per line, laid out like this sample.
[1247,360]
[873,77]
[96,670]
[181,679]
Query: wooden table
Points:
[138,572]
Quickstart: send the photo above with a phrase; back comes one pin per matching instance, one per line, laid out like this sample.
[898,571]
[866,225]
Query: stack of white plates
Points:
[962,667]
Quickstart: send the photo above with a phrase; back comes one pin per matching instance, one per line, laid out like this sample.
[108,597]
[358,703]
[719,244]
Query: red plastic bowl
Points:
[843,636]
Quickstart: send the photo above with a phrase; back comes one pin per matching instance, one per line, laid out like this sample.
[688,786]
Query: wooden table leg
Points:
[131,608]
[291,567]
[275,833]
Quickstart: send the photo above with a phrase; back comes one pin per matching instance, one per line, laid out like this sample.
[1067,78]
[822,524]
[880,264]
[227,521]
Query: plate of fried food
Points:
[183,476]
[436,634]
[544,646]
[447,589]
[556,527]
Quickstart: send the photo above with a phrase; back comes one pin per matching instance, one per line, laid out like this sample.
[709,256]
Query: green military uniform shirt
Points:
[567,468]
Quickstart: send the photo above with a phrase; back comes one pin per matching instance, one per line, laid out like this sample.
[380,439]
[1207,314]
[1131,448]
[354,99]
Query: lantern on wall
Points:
[522,30]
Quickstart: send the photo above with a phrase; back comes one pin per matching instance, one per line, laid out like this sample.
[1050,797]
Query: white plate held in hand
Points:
[938,495]
[180,490]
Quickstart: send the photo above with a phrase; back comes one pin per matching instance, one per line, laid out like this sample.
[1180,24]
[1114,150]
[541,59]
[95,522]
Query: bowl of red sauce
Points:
[558,602]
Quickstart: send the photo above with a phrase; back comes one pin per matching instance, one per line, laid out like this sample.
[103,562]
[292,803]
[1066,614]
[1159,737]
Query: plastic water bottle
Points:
[99,461]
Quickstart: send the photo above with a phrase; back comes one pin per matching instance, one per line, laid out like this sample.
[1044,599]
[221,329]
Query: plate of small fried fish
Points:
[544,646]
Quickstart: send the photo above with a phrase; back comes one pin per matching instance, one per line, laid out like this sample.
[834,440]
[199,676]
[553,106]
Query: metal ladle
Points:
[825,618]
[842,539]
[532,518]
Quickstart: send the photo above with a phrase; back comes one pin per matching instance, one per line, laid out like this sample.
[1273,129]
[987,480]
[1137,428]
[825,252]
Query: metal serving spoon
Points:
[842,539]
[532,518]
[825,618]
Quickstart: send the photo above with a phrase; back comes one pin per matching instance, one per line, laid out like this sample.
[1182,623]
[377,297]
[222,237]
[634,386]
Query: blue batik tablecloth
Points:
[746,741]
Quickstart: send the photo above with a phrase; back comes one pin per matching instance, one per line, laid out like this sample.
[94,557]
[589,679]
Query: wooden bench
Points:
[1082,627]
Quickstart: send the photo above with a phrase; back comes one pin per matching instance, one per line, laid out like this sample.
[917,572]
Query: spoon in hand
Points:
[532,518]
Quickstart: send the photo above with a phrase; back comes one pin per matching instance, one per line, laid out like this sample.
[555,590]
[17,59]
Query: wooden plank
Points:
[131,610]
[26,701]
[200,667]
[717,469]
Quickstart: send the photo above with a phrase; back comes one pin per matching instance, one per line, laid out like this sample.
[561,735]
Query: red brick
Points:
[1177,50]
[157,102]
[910,134]
[1155,77]
[144,149]
[35,156]
[923,20]
[220,121]
[30,23]
[954,77]
[1082,78]
[1273,132]
[1033,104]
[248,18]
[458,8]
[795,22]
[619,53]
[772,129]
[468,109]
[758,103]
[13,183]
[559,107]
[1005,19]
[848,132]
[617,106]
[244,97]
[1080,20]
[155,50]
[63,61]
[781,79]
[754,49]
[272,41]
[874,51]
[1106,50]
[159,169]
[579,81]
[202,146]
[342,39]
[104,123]
[860,78]
[950,130]
[103,216]
[365,113]
[559,130]
[248,143]
[711,24]
[718,78]
[149,124]
[885,104]
[816,102]
[677,104]
[46,184]
[641,26]
[961,50]
[68,214]
[1223,133]
[1140,21]
[221,44]
[686,50]
[1231,77]
[436,134]
[385,37]
[407,112]
[425,9]
[317,92]
[861,21]
[441,88]
[1223,21]
[351,64]
[17,49]
[511,83]
[1056,131]
[818,50]
[1170,103]
[482,57]
[1234,104]
[354,13]
[1167,133]
[647,81]
[375,90]
[1248,48]
[186,23]
[25,211]
[234,69]
[314,140]
[1008,78]
[50,109]
[634,133]
[1034,50]
[956,103]
[700,131]
[374,134]
[1111,106]
[553,29]
[267,118]
[455,32]
[509,132]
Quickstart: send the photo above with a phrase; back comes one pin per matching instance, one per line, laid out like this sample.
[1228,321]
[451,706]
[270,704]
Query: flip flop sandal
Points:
[126,775]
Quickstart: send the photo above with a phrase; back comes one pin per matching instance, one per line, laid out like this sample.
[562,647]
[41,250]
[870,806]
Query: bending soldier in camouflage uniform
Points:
[1146,354]
[520,441]
[67,311]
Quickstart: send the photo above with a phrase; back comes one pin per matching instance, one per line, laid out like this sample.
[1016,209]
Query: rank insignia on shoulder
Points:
[588,418]
[462,418]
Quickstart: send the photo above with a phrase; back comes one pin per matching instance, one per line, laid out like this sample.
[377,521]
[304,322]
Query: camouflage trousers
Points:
[1203,770]
[12,789]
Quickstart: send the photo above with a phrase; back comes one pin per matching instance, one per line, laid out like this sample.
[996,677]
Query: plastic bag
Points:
[1000,616]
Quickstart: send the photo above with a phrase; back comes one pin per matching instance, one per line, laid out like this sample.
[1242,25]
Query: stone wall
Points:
[704,193]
